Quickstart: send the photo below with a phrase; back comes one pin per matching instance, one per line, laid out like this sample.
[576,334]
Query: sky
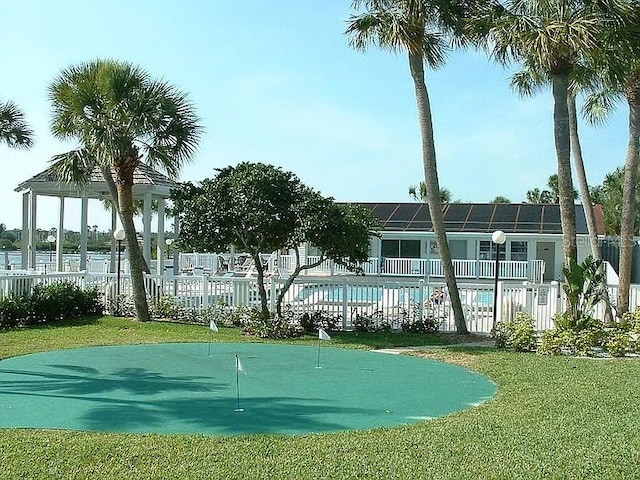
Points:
[276,82]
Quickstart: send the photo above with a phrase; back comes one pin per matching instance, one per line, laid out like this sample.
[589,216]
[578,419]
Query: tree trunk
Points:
[433,188]
[287,284]
[563,152]
[627,224]
[125,203]
[260,280]
[587,204]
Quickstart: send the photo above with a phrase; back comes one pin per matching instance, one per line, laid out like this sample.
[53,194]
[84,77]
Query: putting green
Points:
[179,388]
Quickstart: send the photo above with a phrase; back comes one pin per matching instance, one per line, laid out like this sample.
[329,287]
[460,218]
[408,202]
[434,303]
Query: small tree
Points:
[261,208]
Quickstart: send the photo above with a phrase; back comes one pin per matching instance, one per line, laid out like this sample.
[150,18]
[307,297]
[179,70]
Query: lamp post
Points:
[51,239]
[119,235]
[498,237]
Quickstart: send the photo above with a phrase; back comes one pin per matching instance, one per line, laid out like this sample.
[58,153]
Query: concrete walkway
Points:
[397,350]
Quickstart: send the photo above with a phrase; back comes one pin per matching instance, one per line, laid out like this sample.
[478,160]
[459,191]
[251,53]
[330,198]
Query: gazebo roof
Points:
[145,180]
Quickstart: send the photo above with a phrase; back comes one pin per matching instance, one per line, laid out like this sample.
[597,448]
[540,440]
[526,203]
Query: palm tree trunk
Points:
[560,84]
[627,224]
[137,263]
[433,188]
[587,204]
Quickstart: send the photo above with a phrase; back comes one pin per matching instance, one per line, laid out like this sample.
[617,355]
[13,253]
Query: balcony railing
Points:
[531,270]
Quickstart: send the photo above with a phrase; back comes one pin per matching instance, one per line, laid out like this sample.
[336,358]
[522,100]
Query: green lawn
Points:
[552,418]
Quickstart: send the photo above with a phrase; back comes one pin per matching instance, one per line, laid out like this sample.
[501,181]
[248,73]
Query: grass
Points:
[552,418]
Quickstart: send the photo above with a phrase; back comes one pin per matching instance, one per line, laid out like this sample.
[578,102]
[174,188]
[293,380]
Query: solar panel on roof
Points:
[384,210]
[505,212]
[476,227]
[481,213]
[581,220]
[551,219]
[456,212]
[529,214]
[405,212]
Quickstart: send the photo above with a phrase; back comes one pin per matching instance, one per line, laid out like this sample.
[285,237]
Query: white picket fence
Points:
[348,298]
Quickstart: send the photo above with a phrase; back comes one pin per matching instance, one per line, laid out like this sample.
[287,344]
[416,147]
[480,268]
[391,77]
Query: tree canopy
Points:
[259,209]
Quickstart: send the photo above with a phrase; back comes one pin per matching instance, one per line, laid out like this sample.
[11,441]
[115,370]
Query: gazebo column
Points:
[25,230]
[83,232]
[146,228]
[160,239]
[114,224]
[60,236]
[33,245]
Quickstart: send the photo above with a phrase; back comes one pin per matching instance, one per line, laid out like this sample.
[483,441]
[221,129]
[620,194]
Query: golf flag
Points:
[322,335]
[239,366]
[212,326]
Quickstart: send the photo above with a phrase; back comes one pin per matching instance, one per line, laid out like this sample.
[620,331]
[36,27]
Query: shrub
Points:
[372,324]
[428,325]
[518,333]
[47,303]
[272,327]
[618,343]
[561,341]
[311,322]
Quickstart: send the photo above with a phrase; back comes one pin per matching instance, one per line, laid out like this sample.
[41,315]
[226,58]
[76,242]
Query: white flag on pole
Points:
[322,335]
[239,366]
[212,326]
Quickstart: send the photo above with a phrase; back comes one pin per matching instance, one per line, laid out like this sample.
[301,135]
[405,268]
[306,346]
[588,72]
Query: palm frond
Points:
[14,130]
[74,166]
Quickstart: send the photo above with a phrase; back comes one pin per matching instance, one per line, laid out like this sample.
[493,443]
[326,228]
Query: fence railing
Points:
[350,299]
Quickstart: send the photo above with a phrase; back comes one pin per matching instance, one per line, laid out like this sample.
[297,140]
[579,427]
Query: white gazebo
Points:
[148,185]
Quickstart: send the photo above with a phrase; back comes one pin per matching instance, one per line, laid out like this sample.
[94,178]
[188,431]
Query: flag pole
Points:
[318,365]
[238,409]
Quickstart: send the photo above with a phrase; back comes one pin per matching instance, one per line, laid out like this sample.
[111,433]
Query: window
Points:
[401,248]
[519,251]
[488,251]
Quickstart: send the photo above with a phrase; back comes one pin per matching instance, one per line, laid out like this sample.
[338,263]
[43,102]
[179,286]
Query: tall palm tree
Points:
[423,29]
[121,118]
[553,37]
[620,80]
[14,130]
[419,194]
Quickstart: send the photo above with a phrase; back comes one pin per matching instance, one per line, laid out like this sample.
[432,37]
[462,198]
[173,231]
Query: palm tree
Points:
[552,37]
[620,79]
[14,130]
[422,28]
[419,194]
[121,118]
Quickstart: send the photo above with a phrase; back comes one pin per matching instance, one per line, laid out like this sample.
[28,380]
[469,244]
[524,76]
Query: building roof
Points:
[481,217]
[145,179]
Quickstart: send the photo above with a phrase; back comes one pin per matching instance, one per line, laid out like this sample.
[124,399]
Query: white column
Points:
[112,266]
[161,246]
[33,204]
[83,232]
[24,239]
[60,236]
[146,228]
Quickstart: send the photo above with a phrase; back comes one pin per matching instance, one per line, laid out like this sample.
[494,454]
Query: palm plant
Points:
[424,29]
[553,37]
[620,80]
[121,117]
[14,130]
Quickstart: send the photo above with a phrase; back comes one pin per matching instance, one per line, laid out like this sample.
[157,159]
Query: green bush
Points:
[272,327]
[563,341]
[618,343]
[374,323]
[46,303]
[428,325]
[518,333]
[311,322]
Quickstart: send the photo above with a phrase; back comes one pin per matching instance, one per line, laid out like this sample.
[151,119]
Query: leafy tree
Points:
[500,199]
[425,30]
[539,196]
[14,130]
[260,209]
[121,118]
